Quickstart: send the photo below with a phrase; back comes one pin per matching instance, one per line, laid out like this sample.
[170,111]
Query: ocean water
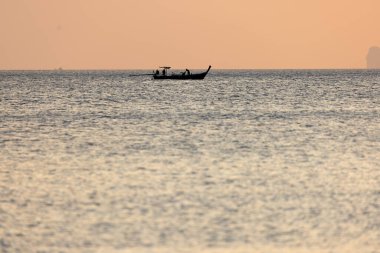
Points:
[243,161]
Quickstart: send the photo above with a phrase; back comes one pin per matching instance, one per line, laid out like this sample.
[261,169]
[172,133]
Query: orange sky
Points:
[125,34]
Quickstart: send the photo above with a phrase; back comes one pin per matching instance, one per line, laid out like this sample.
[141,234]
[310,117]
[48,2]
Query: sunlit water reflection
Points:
[244,161]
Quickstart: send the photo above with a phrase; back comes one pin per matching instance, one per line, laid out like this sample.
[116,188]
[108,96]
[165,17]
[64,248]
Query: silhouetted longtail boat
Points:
[183,76]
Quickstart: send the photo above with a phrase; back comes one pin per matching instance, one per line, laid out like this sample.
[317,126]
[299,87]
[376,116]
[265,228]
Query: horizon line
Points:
[132,69]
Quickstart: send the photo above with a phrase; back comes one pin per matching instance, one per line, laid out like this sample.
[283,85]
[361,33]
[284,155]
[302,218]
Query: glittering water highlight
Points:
[243,161]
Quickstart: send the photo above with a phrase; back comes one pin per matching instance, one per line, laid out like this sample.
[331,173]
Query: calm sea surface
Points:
[243,161]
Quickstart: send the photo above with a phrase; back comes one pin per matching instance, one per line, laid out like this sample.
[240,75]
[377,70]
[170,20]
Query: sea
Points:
[258,161]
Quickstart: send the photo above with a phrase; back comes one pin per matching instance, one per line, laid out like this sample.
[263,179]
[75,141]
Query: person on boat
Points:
[157,72]
[187,72]
[164,72]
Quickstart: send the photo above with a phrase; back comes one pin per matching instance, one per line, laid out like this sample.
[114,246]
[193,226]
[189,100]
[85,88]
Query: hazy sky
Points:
[123,34]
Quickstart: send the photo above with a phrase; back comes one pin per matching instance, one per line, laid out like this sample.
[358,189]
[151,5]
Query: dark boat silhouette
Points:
[183,76]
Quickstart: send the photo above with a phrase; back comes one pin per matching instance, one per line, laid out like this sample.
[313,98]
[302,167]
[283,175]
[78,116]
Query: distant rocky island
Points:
[373,58]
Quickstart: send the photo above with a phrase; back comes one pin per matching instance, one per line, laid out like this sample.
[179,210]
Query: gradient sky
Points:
[134,34]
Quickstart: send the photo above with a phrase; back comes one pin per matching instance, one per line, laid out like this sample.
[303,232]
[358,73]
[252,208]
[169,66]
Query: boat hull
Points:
[198,76]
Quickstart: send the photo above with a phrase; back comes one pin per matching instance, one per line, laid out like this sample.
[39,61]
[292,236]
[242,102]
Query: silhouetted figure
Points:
[187,71]
[157,72]
[164,72]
